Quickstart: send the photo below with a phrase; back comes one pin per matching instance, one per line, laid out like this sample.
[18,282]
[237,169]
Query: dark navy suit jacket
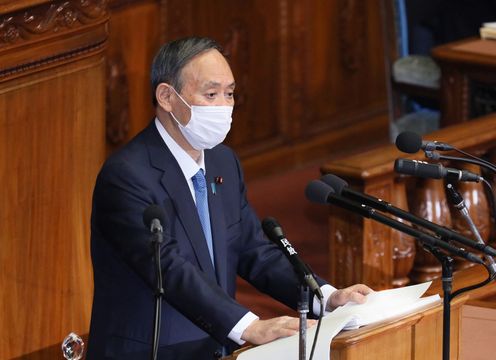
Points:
[199,309]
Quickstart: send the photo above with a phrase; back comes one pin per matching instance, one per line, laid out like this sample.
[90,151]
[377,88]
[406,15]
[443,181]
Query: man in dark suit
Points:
[209,237]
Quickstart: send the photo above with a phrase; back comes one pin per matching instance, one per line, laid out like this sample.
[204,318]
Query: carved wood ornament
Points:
[41,26]
[49,18]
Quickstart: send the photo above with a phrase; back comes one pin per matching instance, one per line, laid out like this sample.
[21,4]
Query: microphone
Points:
[320,192]
[433,171]
[340,187]
[274,232]
[411,142]
[153,218]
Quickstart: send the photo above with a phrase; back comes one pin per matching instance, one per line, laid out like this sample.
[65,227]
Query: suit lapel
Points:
[217,218]
[176,187]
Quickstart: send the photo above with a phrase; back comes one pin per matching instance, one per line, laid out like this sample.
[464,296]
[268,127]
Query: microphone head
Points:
[409,142]
[318,191]
[335,182]
[405,166]
[418,168]
[153,212]
[272,228]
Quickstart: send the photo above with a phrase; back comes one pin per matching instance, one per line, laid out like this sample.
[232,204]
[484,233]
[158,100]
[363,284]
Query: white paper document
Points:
[380,306]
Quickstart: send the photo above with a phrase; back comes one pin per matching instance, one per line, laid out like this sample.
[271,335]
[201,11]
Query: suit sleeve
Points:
[120,198]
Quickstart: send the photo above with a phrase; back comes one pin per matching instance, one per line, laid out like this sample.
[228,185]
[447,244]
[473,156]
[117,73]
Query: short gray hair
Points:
[173,56]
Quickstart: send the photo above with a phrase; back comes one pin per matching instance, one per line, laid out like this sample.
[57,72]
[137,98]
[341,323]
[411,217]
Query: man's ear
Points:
[163,94]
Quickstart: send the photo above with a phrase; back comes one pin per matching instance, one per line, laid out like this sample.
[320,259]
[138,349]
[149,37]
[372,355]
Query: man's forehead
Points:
[208,68]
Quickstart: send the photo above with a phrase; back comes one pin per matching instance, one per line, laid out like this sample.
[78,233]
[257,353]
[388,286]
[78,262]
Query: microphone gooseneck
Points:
[274,232]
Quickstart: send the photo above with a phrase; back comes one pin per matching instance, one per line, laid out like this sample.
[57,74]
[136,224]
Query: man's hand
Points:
[264,331]
[356,293]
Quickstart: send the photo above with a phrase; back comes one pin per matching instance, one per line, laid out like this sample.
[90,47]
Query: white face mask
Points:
[208,125]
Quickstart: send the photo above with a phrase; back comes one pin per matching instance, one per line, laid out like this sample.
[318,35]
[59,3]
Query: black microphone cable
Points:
[490,278]
[317,330]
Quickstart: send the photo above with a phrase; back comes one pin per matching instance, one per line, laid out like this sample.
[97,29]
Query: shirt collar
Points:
[188,166]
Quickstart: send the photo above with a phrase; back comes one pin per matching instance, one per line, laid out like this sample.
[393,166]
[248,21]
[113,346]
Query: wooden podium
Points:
[416,336]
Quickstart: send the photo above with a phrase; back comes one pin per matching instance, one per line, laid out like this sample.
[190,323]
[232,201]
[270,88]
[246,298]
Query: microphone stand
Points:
[447,266]
[447,279]
[471,159]
[303,311]
[159,291]
[431,243]
[457,200]
[445,234]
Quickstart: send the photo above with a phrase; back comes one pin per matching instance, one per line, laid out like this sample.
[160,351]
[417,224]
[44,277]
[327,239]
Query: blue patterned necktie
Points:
[201,196]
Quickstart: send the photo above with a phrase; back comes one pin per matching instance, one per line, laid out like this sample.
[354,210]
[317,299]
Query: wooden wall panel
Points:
[310,75]
[250,33]
[130,54]
[52,108]
[47,179]
[343,64]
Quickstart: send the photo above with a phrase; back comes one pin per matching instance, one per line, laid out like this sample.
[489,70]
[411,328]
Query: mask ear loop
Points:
[185,103]
[180,97]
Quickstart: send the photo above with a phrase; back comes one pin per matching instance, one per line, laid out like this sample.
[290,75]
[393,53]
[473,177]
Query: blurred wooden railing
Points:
[365,251]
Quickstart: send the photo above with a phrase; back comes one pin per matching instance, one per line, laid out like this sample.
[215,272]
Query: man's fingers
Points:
[285,333]
[356,293]
[358,298]
[359,293]
[264,331]
[362,289]
[311,323]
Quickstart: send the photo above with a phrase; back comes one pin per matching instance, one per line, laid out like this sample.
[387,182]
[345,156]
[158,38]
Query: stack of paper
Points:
[380,306]
[488,30]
